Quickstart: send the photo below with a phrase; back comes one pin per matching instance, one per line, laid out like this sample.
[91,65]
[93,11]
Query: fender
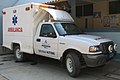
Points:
[61,53]
[15,42]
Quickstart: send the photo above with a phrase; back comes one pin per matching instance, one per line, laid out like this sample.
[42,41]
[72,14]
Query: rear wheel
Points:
[19,56]
[73,64]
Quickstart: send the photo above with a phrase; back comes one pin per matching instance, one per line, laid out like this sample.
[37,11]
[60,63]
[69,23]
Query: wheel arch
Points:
[62,59]
[13,45]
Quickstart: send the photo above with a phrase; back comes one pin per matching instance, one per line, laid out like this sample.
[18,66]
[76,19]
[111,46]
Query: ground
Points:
[49,69]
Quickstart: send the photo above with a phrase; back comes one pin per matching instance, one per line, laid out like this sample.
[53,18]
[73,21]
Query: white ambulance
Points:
[46,30]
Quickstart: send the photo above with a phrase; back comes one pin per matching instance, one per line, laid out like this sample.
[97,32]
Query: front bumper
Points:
[98,59]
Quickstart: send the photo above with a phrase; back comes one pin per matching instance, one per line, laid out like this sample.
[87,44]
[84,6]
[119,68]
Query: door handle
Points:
[38,40]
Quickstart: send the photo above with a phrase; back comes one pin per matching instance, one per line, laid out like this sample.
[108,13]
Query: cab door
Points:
[46,41]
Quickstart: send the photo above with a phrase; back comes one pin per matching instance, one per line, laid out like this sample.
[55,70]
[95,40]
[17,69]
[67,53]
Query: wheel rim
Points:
[69,65]
[18,54]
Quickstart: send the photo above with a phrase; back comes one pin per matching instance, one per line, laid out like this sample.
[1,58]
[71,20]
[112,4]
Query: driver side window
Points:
[47,31]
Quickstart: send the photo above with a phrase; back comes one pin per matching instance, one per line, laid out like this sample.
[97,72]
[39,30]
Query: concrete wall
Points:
[98,23]
[81,22]
[103,7]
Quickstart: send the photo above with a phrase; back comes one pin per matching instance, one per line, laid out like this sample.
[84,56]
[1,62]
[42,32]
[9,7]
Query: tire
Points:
[73,64]
[19,56]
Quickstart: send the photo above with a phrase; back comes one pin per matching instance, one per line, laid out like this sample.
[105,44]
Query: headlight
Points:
[110,48]
[115,47]
[94,49]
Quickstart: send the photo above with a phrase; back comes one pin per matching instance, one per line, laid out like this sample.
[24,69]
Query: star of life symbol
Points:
[14,20]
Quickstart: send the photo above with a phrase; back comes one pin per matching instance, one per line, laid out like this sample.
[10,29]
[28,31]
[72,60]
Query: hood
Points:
[89,38]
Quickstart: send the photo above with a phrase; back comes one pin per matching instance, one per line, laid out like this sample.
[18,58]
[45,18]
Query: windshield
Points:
[67,29]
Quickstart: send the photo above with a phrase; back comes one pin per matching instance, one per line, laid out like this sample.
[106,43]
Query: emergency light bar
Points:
[49,6]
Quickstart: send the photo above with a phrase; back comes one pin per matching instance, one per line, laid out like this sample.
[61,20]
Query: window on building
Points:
[88,10]
[114,7]
[78,11]
[85,10]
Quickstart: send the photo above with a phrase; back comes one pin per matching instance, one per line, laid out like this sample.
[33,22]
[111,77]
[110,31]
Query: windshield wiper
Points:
[73,34]
[78,33]
[66,34]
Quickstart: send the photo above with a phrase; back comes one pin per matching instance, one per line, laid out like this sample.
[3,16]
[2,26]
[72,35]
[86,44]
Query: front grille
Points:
[104,46]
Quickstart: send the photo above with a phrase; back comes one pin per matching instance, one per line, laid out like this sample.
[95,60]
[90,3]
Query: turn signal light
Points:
[3,12]
[27,8]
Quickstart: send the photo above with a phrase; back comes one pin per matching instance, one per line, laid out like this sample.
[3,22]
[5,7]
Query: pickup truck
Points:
[46,30]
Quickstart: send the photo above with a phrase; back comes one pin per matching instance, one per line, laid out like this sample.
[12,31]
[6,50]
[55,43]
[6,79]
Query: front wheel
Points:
[73,64]
[19,56]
